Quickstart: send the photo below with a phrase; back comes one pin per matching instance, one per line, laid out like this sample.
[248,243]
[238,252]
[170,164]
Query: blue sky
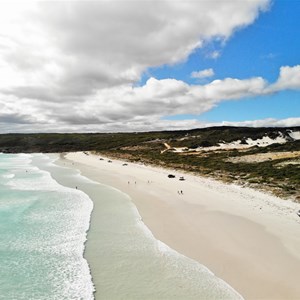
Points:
[260,49]
[110,65]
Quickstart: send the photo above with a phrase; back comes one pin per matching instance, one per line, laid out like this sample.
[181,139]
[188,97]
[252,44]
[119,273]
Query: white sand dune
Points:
[248,238]
[262,142]
[295,135]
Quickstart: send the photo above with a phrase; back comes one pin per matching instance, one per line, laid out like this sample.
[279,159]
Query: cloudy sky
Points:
[132,65]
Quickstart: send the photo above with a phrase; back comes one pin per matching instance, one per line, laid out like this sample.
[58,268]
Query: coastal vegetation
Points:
[271,175]
[274,167]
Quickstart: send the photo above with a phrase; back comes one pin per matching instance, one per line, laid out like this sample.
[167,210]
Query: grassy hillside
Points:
[55,142]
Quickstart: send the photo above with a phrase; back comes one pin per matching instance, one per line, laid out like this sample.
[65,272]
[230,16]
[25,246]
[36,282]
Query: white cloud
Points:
[126,103]
[69,63]
[269,122]
[289,78]
[203,74]
[214,54]
[230,88]
[158,98]
[80,46]
[144,124]
[126,107]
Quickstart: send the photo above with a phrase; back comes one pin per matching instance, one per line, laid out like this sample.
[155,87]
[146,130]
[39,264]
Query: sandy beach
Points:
[249,239]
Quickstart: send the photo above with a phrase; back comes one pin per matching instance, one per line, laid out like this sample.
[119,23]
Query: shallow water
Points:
[42,232]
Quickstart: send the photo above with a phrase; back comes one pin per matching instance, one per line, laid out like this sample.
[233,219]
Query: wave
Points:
[8,176]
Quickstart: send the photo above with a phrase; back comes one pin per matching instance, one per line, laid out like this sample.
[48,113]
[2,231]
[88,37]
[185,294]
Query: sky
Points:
[143,65]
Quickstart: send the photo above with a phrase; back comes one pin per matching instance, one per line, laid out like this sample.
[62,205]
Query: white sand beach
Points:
[248,238]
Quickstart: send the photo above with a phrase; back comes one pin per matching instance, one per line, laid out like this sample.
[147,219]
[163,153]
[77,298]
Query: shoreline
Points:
[160,256]
[204,225]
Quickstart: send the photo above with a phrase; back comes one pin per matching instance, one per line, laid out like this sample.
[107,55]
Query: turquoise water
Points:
[43,228]
[42,233]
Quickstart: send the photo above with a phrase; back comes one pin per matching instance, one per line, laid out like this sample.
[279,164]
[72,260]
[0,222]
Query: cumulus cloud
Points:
[203,74]
[82,46]
[126,107]
[126,103]
[74,64]
[289,78]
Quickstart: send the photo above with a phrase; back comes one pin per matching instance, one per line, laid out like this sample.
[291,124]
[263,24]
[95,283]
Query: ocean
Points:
[45,215]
